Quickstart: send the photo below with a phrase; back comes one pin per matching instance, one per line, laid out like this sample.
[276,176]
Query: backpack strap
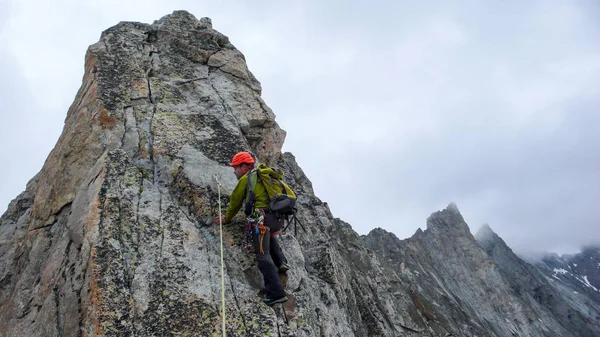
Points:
[283,191]
[252,178]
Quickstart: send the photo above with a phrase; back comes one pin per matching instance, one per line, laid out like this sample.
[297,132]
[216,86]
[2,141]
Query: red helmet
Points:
[242,158]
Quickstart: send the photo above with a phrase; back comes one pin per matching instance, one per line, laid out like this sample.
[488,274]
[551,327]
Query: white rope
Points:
[222,264]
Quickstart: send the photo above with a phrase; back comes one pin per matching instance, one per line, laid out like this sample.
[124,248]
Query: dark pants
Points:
[275,225]
[268,263]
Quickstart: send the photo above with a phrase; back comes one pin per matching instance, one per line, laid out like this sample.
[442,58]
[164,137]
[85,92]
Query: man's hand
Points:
[216,220]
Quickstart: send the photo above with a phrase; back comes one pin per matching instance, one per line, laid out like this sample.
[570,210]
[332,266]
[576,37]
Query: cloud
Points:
[500,119]
[21,157]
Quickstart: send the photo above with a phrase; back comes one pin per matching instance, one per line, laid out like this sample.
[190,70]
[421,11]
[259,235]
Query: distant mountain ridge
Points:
[581,271]
[551,283]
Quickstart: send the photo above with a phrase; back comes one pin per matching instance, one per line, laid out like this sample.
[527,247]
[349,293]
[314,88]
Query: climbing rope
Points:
[222,264]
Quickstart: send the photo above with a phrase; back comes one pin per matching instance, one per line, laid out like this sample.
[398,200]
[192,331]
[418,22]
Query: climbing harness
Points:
[256,223]
[222,264]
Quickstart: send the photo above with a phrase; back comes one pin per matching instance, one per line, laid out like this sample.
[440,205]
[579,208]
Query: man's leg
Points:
[277,256]
[275,224]
[273,286]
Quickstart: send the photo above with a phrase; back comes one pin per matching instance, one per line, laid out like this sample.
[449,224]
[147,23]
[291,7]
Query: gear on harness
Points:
[256,224]
[251,226]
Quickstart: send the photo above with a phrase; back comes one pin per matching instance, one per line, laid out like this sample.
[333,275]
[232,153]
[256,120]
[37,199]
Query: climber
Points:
[262,226]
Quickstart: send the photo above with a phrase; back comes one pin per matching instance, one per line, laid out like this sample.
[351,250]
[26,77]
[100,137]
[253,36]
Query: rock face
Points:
[109,238]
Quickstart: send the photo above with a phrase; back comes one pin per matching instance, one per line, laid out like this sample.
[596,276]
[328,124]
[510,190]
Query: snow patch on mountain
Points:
[560,271]
[588,284]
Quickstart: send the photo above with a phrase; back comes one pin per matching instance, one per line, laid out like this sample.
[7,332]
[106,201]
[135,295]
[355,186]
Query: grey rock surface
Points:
[552,298]
[109,239]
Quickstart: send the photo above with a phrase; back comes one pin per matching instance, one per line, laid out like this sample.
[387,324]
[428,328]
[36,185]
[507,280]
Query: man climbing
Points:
[262,225]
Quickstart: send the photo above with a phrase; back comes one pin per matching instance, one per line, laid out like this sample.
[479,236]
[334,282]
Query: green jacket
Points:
[236,200]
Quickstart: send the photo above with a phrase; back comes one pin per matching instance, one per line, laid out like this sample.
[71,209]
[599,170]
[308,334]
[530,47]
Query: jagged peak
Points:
[381,233]
[452,208]
[486,233]
[486,228]
[488,240]
[289,155]
[378,231]
[179,16]
[448,219]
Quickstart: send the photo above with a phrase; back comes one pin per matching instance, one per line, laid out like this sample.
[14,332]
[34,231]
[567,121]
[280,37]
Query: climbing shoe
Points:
[272,301]
[284,267]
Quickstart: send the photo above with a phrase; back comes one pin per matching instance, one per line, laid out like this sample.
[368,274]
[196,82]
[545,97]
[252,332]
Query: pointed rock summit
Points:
[161,94]
[110,238]
[104,241]
[448,219]
[485,235]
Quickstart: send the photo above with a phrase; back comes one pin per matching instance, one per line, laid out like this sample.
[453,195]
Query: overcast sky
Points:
[393,109]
